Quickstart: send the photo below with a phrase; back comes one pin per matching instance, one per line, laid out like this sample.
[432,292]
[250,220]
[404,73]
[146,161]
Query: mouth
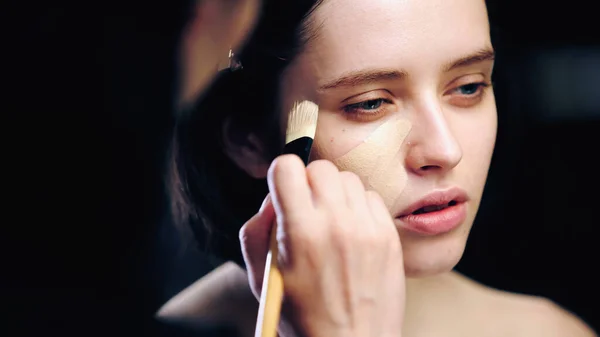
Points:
[434,208]
[437,213]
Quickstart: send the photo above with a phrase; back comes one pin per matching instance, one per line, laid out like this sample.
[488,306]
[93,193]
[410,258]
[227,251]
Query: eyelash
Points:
[479,87]
[355,110]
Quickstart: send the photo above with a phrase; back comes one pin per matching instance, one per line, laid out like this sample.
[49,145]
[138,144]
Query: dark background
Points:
[537,230]
[87,250]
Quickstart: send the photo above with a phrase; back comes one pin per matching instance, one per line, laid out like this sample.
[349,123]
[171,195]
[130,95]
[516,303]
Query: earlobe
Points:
[245,150]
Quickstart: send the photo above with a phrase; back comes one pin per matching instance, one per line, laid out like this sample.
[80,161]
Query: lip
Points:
[436,222]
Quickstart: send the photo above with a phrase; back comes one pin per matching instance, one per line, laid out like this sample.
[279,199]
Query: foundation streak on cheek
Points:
[378,160]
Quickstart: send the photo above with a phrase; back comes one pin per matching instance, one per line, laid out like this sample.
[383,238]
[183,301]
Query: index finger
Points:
[289,188]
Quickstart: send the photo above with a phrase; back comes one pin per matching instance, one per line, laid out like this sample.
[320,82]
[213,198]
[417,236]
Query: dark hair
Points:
[210,195]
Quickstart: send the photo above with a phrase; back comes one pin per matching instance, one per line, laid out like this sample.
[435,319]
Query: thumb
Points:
[254,239]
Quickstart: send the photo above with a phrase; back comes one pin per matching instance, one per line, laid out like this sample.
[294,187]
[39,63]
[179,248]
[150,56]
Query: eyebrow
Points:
[363,77]
[482,55]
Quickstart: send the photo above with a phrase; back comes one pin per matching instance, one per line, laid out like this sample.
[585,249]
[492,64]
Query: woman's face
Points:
[405,97]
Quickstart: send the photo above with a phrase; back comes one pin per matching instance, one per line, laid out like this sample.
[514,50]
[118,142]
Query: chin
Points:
[430,256]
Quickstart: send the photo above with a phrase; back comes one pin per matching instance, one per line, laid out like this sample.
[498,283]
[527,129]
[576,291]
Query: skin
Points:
[215,27]
[437,56]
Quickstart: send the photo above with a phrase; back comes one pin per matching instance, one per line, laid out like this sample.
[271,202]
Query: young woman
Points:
[406,104]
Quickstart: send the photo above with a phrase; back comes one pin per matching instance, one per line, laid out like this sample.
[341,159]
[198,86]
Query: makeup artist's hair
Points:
[210,195]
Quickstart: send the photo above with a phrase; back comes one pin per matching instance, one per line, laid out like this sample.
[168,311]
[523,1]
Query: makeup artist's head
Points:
[214,27]
[410,77]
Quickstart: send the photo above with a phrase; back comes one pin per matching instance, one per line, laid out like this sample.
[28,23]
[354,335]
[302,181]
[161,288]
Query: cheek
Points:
[377,160]
[477,140]
[336,135]
[483,137]
[331,144]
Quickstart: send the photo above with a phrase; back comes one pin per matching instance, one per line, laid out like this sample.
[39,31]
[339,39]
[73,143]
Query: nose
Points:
[432,147]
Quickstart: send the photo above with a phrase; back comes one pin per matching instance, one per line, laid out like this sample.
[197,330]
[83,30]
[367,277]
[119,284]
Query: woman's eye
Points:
[468,95]
[471,89]
[367,110]
[365,106]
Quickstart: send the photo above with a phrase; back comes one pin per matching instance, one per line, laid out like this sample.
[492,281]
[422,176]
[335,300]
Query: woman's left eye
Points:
[471,89]
[468,95]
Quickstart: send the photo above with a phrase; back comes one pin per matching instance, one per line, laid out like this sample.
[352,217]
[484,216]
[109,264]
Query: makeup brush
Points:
[302,125]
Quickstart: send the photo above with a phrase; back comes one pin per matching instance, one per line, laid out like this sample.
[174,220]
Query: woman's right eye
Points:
[368,109]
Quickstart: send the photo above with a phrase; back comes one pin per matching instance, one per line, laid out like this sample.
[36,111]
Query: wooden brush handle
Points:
[272,292]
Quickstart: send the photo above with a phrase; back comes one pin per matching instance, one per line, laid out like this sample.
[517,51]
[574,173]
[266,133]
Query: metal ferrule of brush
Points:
[300,147]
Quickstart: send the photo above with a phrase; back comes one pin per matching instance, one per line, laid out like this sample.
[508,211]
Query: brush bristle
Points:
[302,121]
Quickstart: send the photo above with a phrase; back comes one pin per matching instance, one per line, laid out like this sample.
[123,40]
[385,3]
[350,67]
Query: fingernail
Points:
[264,203]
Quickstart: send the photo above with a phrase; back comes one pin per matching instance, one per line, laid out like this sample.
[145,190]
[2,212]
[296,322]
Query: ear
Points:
[245,150]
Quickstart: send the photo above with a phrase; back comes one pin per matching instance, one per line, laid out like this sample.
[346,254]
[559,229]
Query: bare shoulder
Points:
[226,283]
[543,317]
[223,296]
[523,315]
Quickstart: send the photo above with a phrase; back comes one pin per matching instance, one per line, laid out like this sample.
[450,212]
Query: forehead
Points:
[408,34]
